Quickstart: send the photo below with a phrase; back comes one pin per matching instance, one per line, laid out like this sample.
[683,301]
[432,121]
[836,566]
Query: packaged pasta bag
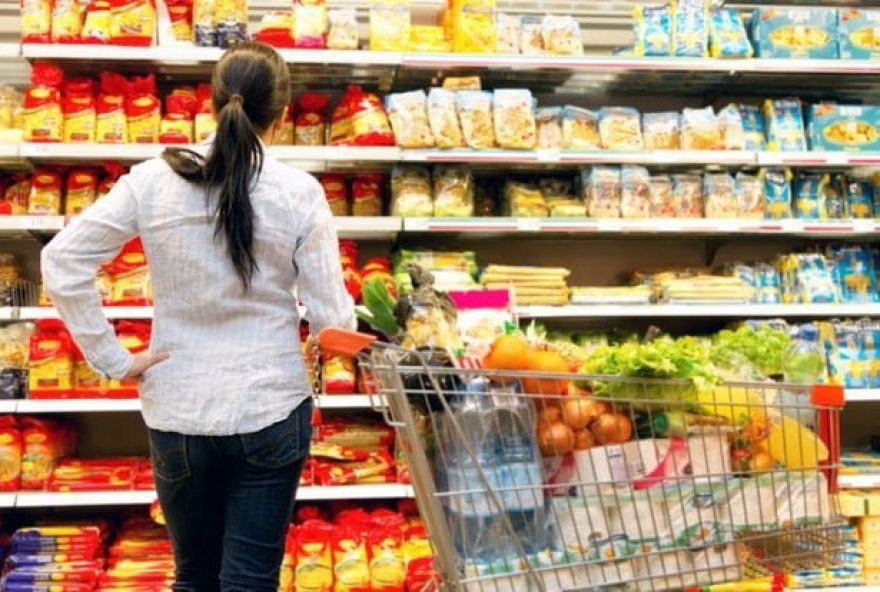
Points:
[36,21]
[143,110]
[176,126]
[777,193]
[343,32]
[784,119]
[310,128]
[514,117]
[749,195]
[700,130]
[17,194]
[457,83]
[180,13]
[351,568]
[690,29]
[231,20]
[836,198]
[811,195]
[531,38]
[453,192]
[204,123]
[523,200]
[719,195]
[47,188]
[635,192]
[727,35]
[276,29]
[580,129]
[620,129]
[549,127]
[730,124]
[443,119]
[369,123]
[387,566]
[602,191]
[314,556]
[859,198]
[428,39]
[409,119]
[43,117]
[561,35]
[132,22]
[310,24]
[390,22]
[98,21]
[652,27]
[336,191]
[112,172]
[475,114]
[411,193]
[508,33]
[205,23]
[687,195]
[366,194]
[341,131]
[79,111]
[662,131]
[67,21]
[81,190]
[285,135]
[662,198]
[754,135]
[10,453]
[473,26]
[111,126]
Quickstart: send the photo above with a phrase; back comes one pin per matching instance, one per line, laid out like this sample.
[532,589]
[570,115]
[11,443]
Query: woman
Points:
[224,390]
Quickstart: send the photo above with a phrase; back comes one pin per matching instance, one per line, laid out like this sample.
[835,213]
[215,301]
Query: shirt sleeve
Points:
[70,264]
[320,285]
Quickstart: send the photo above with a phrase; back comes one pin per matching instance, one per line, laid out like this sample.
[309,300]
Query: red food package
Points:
[276,30]
[177,123]
[18,193]
[43,117]
[47,188]
[314,557]
[67,21]
[81,190]
[97,27]
[180,13]
[369,122]
[340,124]
[421,573]
[39,453]
[36,21]
[79,111]
[135,337]
[366,193]
[112,172]
[131,276]
[133,22]
[50,367]
[310,128]
[143,110]
[387,566]
[10,454]
[205,124]
[112,123]
[307,477]
[350,565]
[336,191]
[310,24]
[87,383]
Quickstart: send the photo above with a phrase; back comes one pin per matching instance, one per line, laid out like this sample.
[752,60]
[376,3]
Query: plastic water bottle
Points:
[804,363]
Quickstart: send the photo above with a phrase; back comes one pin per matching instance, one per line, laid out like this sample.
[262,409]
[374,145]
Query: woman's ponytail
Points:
[251,88]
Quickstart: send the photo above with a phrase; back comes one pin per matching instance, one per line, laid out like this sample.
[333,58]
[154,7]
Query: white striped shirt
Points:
[236,364]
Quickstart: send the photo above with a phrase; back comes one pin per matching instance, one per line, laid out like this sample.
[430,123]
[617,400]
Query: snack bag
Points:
[143,111]
[46,192]
[411,192]
[580,129]
[204,23]
[231,21]
[409,119]
[341,131]
[727,35]
[443,119]
[135,337]
[36,21]
[690,37]
[343,32]
[366,194]
[700,130]
[652,26]
[662,198]
[453,192]
[777,193]
[687,195]
[620,129]
[859,197]
[390,23]
[719,193]
[79,111]
[532,38]
[180,13]
[661,130]
[111,125]
[67,21]
[369,123]
[310,128]
[754,134]
[514,118]
[475,114]
[204,123]
[133,22]
[508,29]
[314,557]
[336,192]
[82,190]
[98,24]
[730,124]
[561,35]
[310,24]
[785,125]
[338,375]
[811,196]
[43,117]
[176,126]
[10,454]
[635,196]
[548,121]
[795,32]
[859,32]
[276,29]
[17,194]
[602,191]
[50,364]
[351,569]
[749,195]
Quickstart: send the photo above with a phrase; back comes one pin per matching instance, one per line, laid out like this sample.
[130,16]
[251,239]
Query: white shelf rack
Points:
[862,394]
[35,406]
[35,313]
[858,481]
[698,311]
[7,500]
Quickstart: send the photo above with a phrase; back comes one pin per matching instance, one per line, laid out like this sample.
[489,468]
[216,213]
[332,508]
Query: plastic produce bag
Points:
[411,192]
[719,194]
[475,114]
[453,192]
[602,191]
[443,119]
[661,131]
[620,129]
[409,119]
[635,196]
[514,119]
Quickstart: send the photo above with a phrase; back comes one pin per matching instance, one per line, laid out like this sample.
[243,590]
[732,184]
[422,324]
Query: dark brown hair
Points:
[250,89]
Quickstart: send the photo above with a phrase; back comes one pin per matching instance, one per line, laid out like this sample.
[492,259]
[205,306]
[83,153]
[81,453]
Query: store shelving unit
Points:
[699,311]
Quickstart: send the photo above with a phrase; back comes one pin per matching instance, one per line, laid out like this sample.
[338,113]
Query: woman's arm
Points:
[69,266]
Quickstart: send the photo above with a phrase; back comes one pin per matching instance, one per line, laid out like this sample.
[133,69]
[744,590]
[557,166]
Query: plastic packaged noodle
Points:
[453,192]
[143,110]
[96,28]
[620,129]
[662,199]
[81,190]
[78,108]
[310,24]
[514,118]
[204,23]
[46,191]
[854,270]
[549,127]
[443,119]
[36,21]
[508,33]
[784,120]
[561,35]
[730,124]
[132,22]
[749,195]
[652,26]
[810,196]
[727,35]
[777,193]
[635,195]
[366,194]
[531,41]
[580,129]
[602,191]
[719,195]
[836,198]
[754,134]
[473,26]
[661,130]
[475,114]
[67,21]
[690,29]
[427,39]
[336,192]
[343,33]
[409,119]
[43,116]
[523,200]
[859,34]
[859,197]
[390,24]
[411,192]
[369,122]
[180,13]
[700,130]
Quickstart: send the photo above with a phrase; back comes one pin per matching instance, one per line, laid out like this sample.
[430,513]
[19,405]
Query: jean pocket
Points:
[282,443]
[169,456]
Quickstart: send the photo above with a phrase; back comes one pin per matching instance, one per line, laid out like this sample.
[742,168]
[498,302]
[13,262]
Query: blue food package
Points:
[859,34]
[652,26]
[777,193]
[835,198]
[859,197]
[767,284]
[727,35]
[754,132]
[795,32]
[807,279]
[811,195]
[784,120]
[854,273]
[844,127]
[690,29]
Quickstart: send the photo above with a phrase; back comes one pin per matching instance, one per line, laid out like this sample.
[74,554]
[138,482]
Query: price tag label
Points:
[529,224]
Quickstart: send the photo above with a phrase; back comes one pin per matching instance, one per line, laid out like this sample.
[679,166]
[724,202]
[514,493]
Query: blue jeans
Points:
[228,501]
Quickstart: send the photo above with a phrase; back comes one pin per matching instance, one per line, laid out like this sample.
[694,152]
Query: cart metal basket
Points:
[654,492]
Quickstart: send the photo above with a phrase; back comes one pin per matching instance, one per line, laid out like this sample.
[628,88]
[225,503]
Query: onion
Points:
[555,439]
[583,439]
[612,428]
[550,414]
[579,412]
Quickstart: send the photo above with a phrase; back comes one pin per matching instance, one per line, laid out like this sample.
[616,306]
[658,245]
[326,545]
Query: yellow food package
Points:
[67,21]
[473,25]
[133,22]
[36,21]
[428,38]
[350,567]
[387,567]
[390,24]
[314,557]
[46,190]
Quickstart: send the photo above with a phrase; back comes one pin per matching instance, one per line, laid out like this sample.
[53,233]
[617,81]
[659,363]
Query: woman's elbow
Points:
[48,267]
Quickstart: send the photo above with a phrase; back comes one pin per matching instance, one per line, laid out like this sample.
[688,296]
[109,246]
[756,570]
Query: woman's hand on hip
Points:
[144,361]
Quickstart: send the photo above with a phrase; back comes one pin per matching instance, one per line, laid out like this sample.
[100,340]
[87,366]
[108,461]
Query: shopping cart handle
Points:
[343,342]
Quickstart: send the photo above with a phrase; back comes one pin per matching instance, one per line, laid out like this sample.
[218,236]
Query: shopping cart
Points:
[664,485]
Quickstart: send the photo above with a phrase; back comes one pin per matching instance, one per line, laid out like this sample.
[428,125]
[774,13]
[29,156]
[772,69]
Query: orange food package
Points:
[310,128]
[82,190]
[112,125]
[176,126]
[79,111]
[131,276]
[10,454]
[17,194]
[133,22]
[369,122]
[180,13]
[98,22]
[87,383]
[314,557]
[43,119]
[36,21]
[378,468]
[112,172]
[336,191]
[67,20]
[47,189]
[387,566]
[285,136]
[340,125]
[143,110]
[205,124]
[135,337]
[50,367]
[350,565]
[41,446]
[310,24]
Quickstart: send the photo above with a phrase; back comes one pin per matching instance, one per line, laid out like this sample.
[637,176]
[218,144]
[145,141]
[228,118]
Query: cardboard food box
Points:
[844,127]
[859,36]
[795,33]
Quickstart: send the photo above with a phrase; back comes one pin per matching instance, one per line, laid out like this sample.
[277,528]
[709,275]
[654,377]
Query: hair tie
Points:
[236,98]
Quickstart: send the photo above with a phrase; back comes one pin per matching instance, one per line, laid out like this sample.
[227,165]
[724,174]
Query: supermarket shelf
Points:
[807,159]
[368,227]
[858,481]
[17,224]
[862,394]
[698,310]
[76,405]
[348,401]
[7,406]
[7,500]
[33,313]
[44,499]
[380,491]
